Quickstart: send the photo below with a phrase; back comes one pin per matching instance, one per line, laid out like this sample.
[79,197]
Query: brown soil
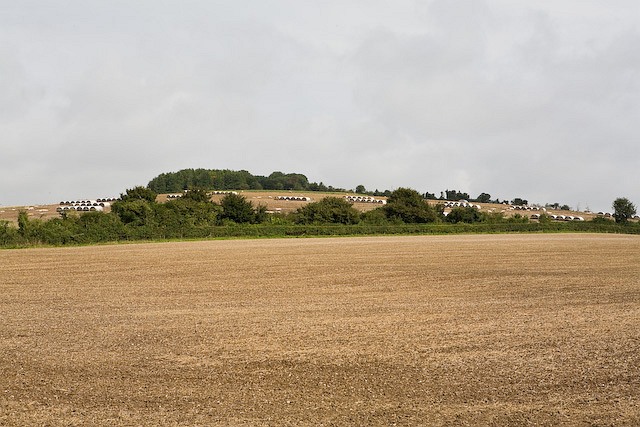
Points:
[446,330]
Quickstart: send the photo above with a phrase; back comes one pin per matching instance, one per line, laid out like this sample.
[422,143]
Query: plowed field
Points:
[445,330]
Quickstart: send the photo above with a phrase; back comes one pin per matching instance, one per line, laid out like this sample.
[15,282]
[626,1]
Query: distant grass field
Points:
[423,330]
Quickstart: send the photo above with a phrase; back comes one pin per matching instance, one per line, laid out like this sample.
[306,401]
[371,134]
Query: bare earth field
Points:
[432,330]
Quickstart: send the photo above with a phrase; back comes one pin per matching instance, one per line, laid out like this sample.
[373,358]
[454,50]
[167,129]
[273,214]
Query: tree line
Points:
[224,179]
[137,215]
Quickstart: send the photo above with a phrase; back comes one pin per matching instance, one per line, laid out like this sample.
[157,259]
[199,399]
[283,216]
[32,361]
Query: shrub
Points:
[408,206]
[375,216]
[466,214]
[334,210]
[238,209]
[623,209]
[139,193]
[8,235]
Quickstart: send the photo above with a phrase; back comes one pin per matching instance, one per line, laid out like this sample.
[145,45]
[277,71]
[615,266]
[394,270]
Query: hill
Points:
[225,179]
[274,201]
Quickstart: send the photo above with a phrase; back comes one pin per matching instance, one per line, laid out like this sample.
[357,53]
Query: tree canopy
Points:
[197,195]
[139,193]
[224,179]
[484,198]
[623,209]
[238,209]
[334,210]
[467,214]
[407,205]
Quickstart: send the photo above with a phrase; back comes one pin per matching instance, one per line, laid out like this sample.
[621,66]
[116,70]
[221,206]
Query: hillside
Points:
[269,198]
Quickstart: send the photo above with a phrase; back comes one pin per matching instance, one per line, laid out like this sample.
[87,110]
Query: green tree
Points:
[139,193]
[360,189]
[517,218]
[197,194]
[544,219]
[8,235]
[61,231]
[467,214]
[177,217]
[623,209]
[260,214]
[24,225]
[135,206]
[407,205]
[133,211]
[334,210]
[92,227]
[484,198]
[29,229]
[374,217]
[456,195]
[237,208]
[428,195]
[600,220]
[314,186]
[281,181]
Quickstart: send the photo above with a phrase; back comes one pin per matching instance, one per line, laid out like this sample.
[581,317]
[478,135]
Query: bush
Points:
[375,216]
[95,227]
[517,218]
[139,193]
[238,209]
[466,214]
[408,206]
[8,235]
[134,211]
[177,218]
[600,220]
[59,231]
[623,209]
[197,194]
[333,210]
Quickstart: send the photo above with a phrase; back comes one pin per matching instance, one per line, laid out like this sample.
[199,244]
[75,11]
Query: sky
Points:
[530,99]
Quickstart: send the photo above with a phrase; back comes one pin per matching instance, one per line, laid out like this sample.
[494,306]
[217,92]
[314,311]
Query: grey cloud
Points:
[534,107]
[512,98]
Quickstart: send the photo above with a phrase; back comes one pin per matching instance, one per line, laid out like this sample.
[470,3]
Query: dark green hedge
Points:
[99,228]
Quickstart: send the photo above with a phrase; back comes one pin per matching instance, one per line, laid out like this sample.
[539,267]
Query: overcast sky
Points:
[532,99]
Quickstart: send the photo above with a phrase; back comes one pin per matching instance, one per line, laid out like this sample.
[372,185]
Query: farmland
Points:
[270,200]
[428,330]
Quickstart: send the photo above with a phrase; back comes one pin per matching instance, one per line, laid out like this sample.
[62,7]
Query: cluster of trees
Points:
[557,205]
[225,179]
[138,207]
[404,206]
[137,215]
[482,198]
[216,179]
[453,195]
